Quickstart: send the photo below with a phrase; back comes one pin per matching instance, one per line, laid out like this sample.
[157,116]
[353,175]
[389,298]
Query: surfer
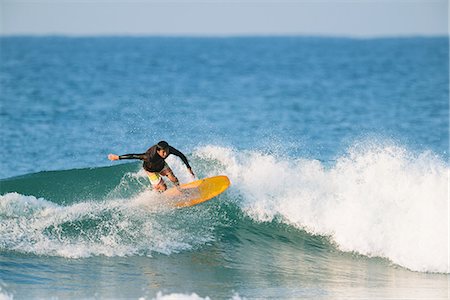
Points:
[155,165]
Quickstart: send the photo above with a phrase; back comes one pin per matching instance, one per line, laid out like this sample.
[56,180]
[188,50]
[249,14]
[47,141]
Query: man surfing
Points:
[155,165]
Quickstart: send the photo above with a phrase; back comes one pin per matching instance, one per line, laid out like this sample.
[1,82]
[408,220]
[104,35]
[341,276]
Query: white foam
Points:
[193,296]
[5,296]
[111,228]
[376,200]
[175,296]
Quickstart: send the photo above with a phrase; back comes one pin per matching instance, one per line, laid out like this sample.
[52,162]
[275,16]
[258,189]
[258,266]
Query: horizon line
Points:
[224,36]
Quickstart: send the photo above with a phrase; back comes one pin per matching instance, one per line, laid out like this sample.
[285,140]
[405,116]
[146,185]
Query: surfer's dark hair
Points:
[162,145]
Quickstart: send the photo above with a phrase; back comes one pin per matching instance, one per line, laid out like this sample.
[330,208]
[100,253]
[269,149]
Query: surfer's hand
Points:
[191,172]
[113,157]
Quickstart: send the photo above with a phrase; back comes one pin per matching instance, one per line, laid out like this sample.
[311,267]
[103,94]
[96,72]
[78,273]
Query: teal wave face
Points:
[71,186]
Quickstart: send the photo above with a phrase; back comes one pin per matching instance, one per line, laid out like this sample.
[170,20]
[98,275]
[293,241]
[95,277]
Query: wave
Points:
[375,200]
[379,201]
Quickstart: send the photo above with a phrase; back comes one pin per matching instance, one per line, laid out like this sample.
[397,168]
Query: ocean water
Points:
[337,152]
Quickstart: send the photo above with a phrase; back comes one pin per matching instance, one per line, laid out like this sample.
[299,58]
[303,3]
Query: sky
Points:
[351,18]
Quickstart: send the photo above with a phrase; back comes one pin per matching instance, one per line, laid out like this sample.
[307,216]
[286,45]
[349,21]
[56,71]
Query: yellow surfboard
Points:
[198,191]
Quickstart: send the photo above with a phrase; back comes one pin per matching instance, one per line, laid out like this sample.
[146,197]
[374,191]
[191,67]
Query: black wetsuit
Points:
[152,161]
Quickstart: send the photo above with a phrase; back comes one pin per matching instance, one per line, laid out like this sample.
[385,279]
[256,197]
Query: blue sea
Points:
[337,150]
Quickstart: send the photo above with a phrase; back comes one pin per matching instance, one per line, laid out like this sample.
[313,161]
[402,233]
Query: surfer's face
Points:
[163,152]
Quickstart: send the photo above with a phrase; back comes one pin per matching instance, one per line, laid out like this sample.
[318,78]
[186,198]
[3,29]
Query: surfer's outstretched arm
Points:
[183,158]
[140,156]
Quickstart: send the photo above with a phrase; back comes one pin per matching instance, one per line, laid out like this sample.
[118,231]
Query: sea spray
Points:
[375,200]
[193,296]
[110,228]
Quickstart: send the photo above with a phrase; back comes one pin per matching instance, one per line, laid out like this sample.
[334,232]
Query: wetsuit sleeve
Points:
[140,156]
[174,151]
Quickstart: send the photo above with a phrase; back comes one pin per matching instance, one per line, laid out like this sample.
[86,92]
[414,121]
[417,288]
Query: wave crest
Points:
[379,201]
